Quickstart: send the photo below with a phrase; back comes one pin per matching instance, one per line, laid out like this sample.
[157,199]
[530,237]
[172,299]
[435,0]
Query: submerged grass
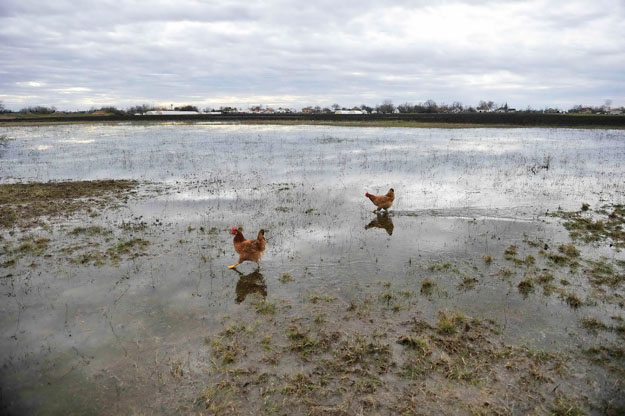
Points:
[591,226]
[602,271]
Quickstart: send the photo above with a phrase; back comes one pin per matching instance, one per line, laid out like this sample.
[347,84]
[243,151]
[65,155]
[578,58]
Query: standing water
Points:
[117,310]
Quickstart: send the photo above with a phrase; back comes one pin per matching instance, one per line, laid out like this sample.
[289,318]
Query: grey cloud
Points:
[125,53]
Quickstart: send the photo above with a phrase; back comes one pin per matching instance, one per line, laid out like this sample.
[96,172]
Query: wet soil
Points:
[23,203]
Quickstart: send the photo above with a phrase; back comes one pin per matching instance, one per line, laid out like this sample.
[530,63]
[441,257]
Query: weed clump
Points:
[285,278]
[443,267]
[510,252]
[447,324]
[468,282]
[427,286]
[603,272]
[133,247]
[302,343]
[416,343]
[571,299]
[299,385]
[263,307]
[569,250]
[526,286]
[90,231]
[593,324]
[359,351]
[321,298]
[226,352]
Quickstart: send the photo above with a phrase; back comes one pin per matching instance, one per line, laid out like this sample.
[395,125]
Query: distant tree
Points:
[2,109]
[386,107]
[38,110]
[576,109]
[418,108]
[430,106]
[139,109]
[486,105]
[406,108]
[186,108]
[228,109]
[335,107]
[366,108]
[456,106]
[113,110]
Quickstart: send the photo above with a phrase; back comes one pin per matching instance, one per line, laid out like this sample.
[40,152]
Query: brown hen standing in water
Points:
[249,250]
[382,201]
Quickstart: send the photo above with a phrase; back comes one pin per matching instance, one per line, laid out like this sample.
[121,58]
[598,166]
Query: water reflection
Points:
[250,283]
[382,221]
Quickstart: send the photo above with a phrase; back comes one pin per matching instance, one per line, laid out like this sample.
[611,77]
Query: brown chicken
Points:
[382,201]
[249,250]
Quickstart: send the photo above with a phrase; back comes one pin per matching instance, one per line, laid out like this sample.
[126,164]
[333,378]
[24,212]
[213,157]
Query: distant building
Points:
[349,112]
[171,113]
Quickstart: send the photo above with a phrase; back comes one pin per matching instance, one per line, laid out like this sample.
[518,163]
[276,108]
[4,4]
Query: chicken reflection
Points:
[250,283]
[382,221]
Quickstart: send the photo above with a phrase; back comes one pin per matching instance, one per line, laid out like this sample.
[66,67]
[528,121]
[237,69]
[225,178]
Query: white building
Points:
[348,112]
[171,113]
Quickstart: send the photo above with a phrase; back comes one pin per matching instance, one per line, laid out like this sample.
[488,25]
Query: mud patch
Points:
[24,204]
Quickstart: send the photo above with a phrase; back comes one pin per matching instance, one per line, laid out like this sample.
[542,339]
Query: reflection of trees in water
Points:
[251,283]
[382,221]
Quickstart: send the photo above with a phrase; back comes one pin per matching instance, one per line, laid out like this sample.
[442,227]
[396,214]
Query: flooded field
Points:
[495,284]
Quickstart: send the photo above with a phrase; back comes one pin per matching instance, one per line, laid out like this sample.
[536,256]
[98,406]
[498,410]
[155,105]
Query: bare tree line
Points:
[386,107]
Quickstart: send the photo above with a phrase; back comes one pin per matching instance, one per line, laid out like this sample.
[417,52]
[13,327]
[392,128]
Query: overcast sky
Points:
[78,54]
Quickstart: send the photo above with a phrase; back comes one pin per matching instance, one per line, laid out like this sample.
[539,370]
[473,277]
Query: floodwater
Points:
[76,339]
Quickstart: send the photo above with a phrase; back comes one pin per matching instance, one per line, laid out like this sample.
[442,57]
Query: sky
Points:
[539,53]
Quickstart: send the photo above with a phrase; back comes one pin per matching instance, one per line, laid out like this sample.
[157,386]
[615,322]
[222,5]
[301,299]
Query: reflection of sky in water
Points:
[430,168]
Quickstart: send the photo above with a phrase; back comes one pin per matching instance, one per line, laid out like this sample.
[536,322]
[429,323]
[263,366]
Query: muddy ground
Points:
[122,303]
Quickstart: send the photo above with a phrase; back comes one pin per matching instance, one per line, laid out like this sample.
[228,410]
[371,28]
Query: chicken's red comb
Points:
[234,229]
[366,193]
